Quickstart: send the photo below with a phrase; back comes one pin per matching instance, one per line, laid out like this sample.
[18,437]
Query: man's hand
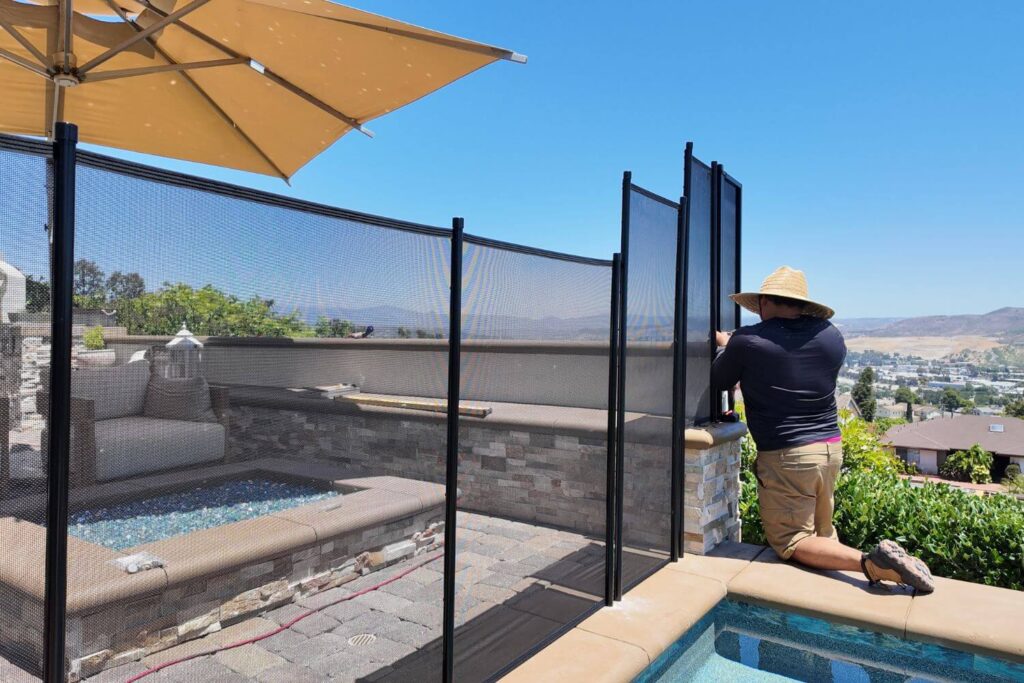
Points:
[722,338]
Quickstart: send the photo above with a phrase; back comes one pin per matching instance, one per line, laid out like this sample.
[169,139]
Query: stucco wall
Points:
[543,373]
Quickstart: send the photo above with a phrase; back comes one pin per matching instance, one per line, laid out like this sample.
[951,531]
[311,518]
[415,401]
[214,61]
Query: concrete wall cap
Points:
[704,438]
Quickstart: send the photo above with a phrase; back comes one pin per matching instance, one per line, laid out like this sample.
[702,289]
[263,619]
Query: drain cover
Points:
[362,639]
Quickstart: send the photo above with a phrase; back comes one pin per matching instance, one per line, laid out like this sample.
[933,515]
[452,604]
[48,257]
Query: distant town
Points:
[982,382]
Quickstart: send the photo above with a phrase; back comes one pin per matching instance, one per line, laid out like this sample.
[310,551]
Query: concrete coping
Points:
[617,643]
[715,434]
[94,581]
[584,348]
[589,423]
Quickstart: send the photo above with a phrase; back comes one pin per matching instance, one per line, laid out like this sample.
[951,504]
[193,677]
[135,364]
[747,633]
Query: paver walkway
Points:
[516,583]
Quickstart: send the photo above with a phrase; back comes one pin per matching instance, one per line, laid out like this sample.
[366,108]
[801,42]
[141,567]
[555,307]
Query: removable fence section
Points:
[271,436]
[700,290]
[530,558]
[25,301]
[650,234]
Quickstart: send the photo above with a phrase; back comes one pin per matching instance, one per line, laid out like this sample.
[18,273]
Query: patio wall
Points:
[544,466]
[572,374]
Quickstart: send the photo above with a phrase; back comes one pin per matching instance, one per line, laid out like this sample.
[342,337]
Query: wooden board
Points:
[429,405]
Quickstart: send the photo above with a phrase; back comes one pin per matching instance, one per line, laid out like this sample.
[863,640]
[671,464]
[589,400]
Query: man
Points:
[787,366]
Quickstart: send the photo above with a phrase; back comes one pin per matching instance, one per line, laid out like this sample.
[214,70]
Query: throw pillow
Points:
[187,400]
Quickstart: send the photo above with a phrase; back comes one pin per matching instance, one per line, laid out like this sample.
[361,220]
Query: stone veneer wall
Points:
[712,491]
[23,374]
[530,475]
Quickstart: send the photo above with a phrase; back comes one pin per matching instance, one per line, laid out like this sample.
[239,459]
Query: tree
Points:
[125,286]
[1014,408]
[951,401]
[863,394]
[404,333]
[37,294]
[905,395]
[207,312]
[90,284]
[332,327]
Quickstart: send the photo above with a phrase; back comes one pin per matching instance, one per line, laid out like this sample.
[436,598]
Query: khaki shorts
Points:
[795,489]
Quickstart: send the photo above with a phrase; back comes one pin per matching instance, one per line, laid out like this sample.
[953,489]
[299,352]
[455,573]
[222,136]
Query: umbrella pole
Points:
[62,256]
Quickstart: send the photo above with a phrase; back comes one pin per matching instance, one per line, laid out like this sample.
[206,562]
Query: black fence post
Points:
[620,399]
[62,264]
[611,540]
[451,481]
[717,408]
[679,385]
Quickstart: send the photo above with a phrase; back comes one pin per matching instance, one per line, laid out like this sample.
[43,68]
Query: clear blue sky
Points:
[880,144]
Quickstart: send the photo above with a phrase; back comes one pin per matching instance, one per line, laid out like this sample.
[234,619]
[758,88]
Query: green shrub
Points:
[862,449]
[93,339]
[973,465]
[959,534]
[1015,484]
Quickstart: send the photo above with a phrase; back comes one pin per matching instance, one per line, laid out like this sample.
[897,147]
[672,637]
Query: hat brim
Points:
[748,300]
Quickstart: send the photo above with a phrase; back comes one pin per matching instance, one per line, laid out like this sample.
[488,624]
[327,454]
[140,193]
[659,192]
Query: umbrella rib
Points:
[25,42]
[270,75]
[23,63]
[202,93]
[142,34]
[100,76]
[480,48]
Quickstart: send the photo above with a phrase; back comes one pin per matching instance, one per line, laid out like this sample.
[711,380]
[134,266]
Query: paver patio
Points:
[515,584]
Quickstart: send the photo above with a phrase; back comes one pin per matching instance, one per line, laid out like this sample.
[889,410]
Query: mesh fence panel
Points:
[728,273]
[24,357]
[532,471]
[272,466]
[699,341]
[647,440]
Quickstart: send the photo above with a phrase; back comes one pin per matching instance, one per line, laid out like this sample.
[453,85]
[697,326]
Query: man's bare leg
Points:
[821,552]
[891,564]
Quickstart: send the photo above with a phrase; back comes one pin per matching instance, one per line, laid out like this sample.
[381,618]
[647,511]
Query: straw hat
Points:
[787,282]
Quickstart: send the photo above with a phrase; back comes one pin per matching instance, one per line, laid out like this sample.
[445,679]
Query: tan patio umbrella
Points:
[257,85]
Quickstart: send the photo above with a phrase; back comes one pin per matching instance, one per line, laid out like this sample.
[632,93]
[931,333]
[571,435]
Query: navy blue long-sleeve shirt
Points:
[787,370]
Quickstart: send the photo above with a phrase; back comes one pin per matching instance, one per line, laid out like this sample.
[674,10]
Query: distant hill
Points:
[861,325]
[1005,324]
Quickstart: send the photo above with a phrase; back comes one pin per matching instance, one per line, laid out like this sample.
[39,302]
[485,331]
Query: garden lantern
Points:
[184,356]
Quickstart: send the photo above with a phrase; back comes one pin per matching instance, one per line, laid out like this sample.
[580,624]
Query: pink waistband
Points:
[834,439]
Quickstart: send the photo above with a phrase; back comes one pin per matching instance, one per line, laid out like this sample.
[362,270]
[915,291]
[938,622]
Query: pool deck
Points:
[621,641]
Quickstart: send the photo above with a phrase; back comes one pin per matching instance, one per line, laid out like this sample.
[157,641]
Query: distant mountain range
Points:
[1005,324]
[386,321]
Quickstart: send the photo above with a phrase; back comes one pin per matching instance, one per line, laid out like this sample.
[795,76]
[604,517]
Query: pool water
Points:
[145,520]
[741,642]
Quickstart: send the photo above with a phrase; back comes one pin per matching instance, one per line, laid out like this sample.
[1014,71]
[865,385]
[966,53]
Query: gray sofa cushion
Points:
[179,399]
[117,392]
[136,445]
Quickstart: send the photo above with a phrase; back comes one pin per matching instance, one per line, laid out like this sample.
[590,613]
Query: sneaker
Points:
[890,562]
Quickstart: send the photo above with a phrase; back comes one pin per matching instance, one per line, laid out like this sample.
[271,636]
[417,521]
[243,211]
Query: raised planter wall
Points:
[573,374]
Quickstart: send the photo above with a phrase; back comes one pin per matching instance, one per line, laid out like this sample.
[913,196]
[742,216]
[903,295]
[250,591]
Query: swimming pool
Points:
[741,642]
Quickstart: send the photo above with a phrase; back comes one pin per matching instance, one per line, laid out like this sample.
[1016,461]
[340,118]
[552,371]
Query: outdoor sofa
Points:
[124,423]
